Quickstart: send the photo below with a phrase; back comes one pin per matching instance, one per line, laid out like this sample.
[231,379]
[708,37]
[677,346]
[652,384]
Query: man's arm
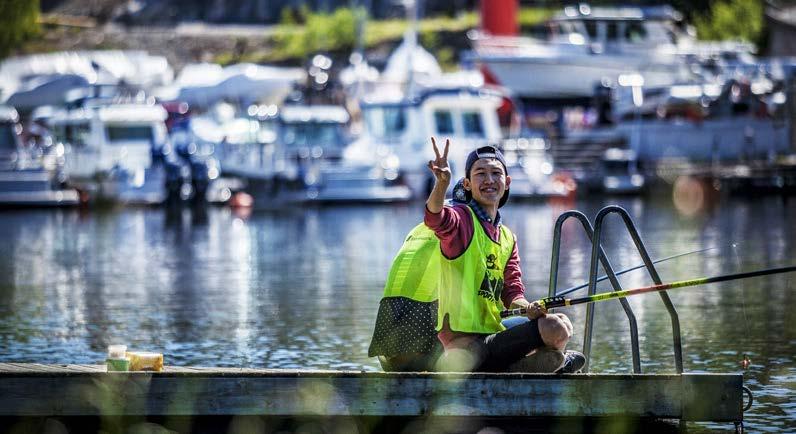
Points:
[514,289]
[442,178]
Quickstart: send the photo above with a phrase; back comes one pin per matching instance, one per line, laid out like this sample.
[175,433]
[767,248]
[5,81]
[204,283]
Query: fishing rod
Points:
[626,270]
[559,301]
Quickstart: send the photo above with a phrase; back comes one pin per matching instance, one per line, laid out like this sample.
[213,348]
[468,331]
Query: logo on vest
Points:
[491,288]
[490,262]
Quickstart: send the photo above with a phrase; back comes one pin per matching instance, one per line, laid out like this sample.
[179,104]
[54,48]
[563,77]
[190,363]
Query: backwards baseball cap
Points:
[488,151]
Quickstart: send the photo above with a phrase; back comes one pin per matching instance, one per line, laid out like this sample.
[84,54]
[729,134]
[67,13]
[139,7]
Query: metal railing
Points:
[597,253]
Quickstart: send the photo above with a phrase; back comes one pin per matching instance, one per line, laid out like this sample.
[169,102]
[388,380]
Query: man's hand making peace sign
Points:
[439,165]
[442,175]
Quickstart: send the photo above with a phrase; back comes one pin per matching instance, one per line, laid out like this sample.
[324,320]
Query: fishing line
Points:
[559,301]
[745,361]
[636,267]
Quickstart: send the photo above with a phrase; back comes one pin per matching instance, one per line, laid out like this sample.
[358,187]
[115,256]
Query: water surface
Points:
[300,288]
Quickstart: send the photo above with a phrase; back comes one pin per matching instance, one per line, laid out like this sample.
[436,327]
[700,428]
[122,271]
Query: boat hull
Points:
[556,77]
[33,188]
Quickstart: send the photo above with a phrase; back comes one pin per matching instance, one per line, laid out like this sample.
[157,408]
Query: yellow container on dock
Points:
[144,361]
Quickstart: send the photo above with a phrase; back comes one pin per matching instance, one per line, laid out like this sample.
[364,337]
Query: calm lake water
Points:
[300,288]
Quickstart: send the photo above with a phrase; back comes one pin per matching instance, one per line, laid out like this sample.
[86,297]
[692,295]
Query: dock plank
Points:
[56,390]
[86,368]
[36,367]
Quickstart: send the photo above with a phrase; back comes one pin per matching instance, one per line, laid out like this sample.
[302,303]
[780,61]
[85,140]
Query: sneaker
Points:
[573,363]
[543,360]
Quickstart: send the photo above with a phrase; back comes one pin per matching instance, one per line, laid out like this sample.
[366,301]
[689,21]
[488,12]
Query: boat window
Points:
[591,29]
[73,134]
[125,133]
[312,134]
[444,121]
[567,28]
[385,122]
[8,139]
[611,31]
[394,122]
[241,131]
[616,167]
[472,124]
[658,32]
[266,133]
[635,32]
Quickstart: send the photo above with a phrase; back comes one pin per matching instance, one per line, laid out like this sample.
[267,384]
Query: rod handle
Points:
[513,312]
[547,303]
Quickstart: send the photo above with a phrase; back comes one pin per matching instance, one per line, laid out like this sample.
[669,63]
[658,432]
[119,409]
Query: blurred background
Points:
[228,182]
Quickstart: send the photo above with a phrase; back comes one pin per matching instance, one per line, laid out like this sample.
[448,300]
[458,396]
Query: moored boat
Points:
[29,175]
[109,150]
[618,173]
[597,45]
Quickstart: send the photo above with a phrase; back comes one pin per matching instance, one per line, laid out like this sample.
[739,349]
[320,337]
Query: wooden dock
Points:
[36,390]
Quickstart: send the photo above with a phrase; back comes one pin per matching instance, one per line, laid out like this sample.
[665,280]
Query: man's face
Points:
[487,181]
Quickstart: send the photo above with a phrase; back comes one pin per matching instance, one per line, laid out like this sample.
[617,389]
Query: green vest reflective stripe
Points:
[471,285]
[415,270]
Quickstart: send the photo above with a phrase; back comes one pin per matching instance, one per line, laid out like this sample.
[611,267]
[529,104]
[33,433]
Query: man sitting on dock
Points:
[479,270]
[405,335]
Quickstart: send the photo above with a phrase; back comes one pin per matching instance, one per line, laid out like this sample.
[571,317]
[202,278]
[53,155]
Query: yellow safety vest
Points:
[471,284]
[415,270]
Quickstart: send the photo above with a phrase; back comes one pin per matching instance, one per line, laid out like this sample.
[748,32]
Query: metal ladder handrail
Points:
[552,291]
[597,250]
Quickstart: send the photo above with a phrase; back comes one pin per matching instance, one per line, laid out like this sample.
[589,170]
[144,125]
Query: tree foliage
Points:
[731,19]
[319,32]
[18,22]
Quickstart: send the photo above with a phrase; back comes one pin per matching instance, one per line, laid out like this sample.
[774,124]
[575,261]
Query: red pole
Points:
[499,17]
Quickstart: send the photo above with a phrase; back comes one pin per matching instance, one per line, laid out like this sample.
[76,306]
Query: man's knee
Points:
[555,329]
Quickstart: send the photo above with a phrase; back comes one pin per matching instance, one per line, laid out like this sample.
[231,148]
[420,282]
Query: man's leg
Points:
[543,338]
[507,347]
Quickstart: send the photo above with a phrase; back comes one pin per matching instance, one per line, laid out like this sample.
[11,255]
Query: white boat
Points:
[108,150]
[315,137]
[618,173]
[531,168]
[25,80]
[44,90]
[396,132]
[205,84]
[697,124]
[588,47]
[29,176]
[293,154]
[413,100]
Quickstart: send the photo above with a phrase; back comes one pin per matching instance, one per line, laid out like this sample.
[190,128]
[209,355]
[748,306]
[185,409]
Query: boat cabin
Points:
[319,131]
[617,29]
[272,141]
[99,138]
[396,132]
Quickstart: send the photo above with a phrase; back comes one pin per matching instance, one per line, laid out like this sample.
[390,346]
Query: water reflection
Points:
[299,288]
